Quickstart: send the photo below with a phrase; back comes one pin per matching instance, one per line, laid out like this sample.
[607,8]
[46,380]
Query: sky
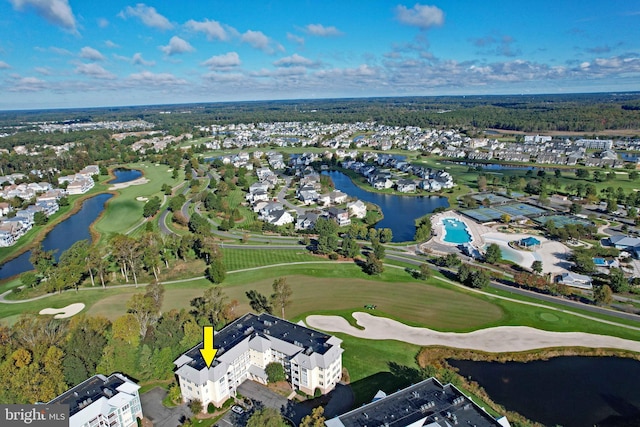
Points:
[79,53]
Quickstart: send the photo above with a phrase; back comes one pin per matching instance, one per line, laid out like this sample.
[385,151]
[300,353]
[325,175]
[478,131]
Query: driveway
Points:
[339,401]
[158,414]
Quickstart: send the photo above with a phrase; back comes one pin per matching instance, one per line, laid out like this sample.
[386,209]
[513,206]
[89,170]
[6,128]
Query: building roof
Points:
[427,403]
[97,391]
[259,331]
[530,241]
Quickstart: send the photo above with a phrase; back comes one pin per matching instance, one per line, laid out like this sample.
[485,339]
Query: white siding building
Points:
[103,401]
[311,359]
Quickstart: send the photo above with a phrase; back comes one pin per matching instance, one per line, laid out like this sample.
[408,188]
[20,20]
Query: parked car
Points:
[237,409]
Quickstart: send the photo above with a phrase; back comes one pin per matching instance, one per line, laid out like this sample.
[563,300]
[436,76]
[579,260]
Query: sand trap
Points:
[142,199]
[492,340]
[121,185]
[64,312]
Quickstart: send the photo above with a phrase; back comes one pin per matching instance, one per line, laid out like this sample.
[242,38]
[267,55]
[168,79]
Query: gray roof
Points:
[427,403]
[259,331]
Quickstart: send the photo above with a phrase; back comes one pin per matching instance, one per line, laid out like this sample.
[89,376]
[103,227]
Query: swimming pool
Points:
[455,231]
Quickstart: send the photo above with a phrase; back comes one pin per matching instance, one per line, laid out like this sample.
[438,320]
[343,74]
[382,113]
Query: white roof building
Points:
[311,359]
[111,401]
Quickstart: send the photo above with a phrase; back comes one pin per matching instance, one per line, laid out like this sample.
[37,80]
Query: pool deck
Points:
[554,255]
[475,229]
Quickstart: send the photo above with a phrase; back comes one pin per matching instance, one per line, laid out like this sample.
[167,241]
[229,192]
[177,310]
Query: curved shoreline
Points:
[501,339]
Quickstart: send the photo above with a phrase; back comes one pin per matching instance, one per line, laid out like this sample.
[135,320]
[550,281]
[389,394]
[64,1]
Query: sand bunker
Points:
[142,199]
[121,185]
[492,340]
[64,312]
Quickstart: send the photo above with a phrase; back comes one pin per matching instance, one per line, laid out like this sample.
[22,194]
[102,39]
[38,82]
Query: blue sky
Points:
[78,53]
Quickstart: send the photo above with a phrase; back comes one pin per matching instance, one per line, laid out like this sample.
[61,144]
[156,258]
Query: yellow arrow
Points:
[208,352]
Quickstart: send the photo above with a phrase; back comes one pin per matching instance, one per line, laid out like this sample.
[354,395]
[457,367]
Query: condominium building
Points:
[427,403]
[312,360]
[103,401]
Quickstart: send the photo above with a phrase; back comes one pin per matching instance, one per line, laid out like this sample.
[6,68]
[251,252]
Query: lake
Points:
[71,230]
[400,212]
[568,391]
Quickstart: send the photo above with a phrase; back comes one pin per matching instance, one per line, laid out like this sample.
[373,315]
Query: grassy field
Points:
[249,257]
[123,212]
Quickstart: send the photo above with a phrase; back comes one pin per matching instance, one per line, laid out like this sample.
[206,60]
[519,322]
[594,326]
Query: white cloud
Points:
[212,29]
[111,45]
[155,79]
[228,60]
[420,15]
[296,39]
[94,70]
[295,60]
[256,39]
[148,15]
[4,65]
[58,12]
[45,71]
[177,45]
[103,22]
[27,84]
[139,60]
[322,31]
[91,54]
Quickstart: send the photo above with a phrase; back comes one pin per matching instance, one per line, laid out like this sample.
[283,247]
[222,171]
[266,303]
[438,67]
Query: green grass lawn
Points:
[236,259]
[123,211]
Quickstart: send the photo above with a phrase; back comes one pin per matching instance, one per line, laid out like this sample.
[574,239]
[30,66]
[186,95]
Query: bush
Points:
[211,408]
[317,392]
[275,372]
[333,256]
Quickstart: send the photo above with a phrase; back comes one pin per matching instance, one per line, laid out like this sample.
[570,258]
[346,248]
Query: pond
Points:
[400,212]
[125,175]
[567,391]
[71,230]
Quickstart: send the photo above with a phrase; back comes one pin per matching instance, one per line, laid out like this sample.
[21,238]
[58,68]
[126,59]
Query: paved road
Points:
[158,414]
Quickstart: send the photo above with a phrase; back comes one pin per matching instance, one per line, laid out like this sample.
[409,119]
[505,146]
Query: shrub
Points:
[275,372]
[211,408]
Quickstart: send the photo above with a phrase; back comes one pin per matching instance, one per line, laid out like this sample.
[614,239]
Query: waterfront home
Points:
[406,185]
[357,209]
[340,216]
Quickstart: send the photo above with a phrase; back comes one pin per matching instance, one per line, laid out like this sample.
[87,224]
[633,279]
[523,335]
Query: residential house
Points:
[279,217]
[340,216]
[312,359]
[5,208]
[406,185]
[357,209]
[337,197]
[80,186]
[306,221]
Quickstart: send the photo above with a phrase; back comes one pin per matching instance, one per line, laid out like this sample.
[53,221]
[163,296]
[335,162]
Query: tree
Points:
[275,372]
[209,308]
[281,296]
[575,208]
[493,254]
[144,310]
[603,295]
[536,266]
[259,302]
[40,218]
[350,247]
[373,265]
[425,271]
[385,235]
[151,207]
[617,282]
[505,218]
[423,229]
[196,406]
[266,417]
[216,272]
[378,249]
[633,175]
[316,419]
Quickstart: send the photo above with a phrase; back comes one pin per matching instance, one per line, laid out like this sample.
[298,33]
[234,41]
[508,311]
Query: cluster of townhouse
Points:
[446,143]
[45,196]
[72,126]
[391,171]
